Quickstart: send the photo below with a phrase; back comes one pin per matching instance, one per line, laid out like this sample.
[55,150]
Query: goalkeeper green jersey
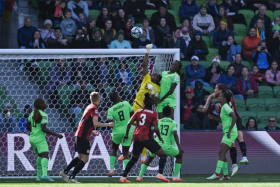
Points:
[37,135]
[166,128]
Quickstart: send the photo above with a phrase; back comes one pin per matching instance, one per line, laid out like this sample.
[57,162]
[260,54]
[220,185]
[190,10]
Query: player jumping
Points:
[37,124]
[168,130]
[82,145]
[120,112]
[143,137]
[228,119]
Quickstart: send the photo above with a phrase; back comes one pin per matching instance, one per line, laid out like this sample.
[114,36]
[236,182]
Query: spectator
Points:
[238,65]
[120,43]
[155,4]
[175,41]
[68,26]
[120,19]
[214,72]
[232,8]
[186,31]
[187,104]
[250,44]
[197,46]
[197,120]
[203,22]
[150,30]
[272,124]
[23,121]
[223,16]
[55,11]
[214,114]
[260,29]
[60,75]
[163,13]
[275,43]
[127,29]
[262,57]
[246,85]
[37,42]
[188,9]
[100,73]
[80,41]
[82,20]
[252,124]
[161,31]
[96,41]
[113,5]
[141,42]
[212,8]
[273,75]
[78,102]
[103,17]
[47,31]
[261,15]
[124,73]
[229,49]
[109,33]
[25,33]
[221,35]
[8,121]
[276,21]
[91,24]
[200,92]
[135,9]
[76,7]
[58,41]
[258,76]
[194,71]
[79,71]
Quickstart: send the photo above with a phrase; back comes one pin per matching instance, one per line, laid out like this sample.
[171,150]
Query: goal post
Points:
[17,89]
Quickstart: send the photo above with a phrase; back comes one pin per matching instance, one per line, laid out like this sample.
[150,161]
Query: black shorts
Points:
[82,146]
[239,123]
[150,144]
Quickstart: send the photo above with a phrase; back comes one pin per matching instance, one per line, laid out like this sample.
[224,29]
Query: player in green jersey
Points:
[168,129]
[228,119]
[120,112]
[169,81]
[37,124]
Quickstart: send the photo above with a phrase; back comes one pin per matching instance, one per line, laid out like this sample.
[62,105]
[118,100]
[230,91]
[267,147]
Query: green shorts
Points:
[170,150]
[229,141]
[165,102]
[118,139]
[40,147]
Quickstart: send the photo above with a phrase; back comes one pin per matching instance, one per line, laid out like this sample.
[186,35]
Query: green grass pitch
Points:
[246,180]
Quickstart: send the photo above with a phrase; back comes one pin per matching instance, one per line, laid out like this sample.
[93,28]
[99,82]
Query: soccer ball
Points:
[136,32]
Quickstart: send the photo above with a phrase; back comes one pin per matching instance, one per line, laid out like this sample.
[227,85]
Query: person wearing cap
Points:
[203,22]
[96,41]
[7,119]
[47,31]
[221,35]
[214,72]
[187,104]
[229,48]
[197,46]
[120,43]
[188,9]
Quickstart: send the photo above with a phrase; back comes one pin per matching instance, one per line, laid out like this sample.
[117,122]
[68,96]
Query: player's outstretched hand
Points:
[95,133]
[111,124]
[125,138]
[149,47]
[60,136]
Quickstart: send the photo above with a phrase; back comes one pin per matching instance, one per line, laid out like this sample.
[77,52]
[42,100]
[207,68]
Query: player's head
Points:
[95,98]
[114,97]
[176,66]
[224,97]
[148,101]
[167,111]
[156,78]
[219,88]
[39,104]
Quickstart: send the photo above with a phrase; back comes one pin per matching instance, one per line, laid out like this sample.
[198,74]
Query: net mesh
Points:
[65,83]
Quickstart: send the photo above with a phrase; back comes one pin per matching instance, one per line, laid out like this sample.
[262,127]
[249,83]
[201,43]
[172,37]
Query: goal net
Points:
[64,78]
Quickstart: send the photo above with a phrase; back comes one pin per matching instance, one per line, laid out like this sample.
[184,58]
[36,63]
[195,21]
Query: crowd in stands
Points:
[219,42]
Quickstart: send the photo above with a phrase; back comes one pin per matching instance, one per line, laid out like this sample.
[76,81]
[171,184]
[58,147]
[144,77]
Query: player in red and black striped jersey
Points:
[88,121]
[233,153]
[145,119]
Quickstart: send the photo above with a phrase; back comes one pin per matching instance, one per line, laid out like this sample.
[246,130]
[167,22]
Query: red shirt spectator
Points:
[250,43]
[258,76]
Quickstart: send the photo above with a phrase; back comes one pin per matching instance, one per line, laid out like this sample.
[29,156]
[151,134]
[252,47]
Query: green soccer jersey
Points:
[120,113]
[37,135]
[166,128]
[166,81]
[226,119]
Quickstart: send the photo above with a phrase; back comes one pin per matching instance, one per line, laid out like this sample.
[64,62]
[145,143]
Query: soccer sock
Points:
[225,168]
[77,169]
[129,165]
[72,164]
[45,163]
[125,161]
[177,169]
[243,148]
[112,162]
[39,167]
[219,167]
[233,155]
[161,164]
[143,170]
[144,152]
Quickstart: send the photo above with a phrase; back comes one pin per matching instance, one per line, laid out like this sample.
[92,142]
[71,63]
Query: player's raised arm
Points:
[48,131]
[146,58]
[101,125]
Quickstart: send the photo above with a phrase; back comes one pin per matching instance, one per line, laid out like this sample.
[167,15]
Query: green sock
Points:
[177,169]
[225,168]
[45,163]
[39,167]
[143,170]
[125,161]
[219,167]
[112,162]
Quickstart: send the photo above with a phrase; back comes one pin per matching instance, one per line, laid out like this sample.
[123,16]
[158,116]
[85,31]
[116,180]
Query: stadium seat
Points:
[265,92]
[212,53]
[269,13]
[65,93]
[247,64]
[246,115]
[238,39]
[94,13]
[201,2]
[209,89]
[176,15]
[224,64]
[272,104]
[175,5]
[240,29]
[185,63]
[255,105]
[261,126]
[278,116]
[264,116]
[149,13]
[240,105]
[206,39]
[276,91]
[205,64]
[248,14]
[276,13]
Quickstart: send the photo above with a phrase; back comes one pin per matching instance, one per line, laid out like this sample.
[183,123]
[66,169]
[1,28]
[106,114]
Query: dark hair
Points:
[246,68]
[221,6]
[222,87]
[67,11]
[229,66]
[234,42]
[39,104]
[167,111]
[227,95]
[148,101]
[114,97]
[256,66]
[256,124]
[57,28]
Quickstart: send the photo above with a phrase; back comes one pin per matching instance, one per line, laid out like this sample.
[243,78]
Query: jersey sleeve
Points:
[45,119]
[174,126]
[110,115]
[176,79]
[94,112]
[227,109]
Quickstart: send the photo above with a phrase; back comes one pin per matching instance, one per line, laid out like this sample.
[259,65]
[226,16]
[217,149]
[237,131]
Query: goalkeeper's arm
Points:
[145,64]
